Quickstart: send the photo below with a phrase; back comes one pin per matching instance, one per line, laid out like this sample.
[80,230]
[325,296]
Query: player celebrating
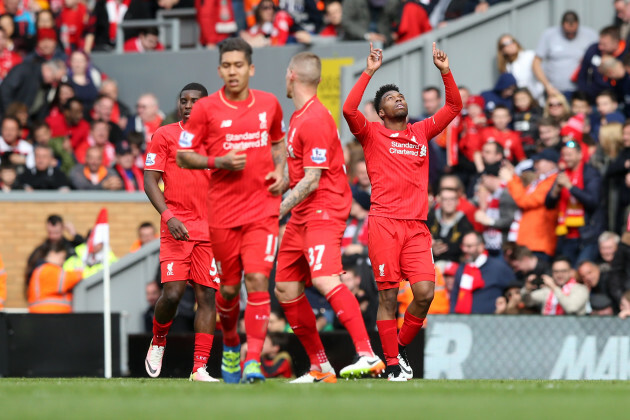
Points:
[310,252]
[185,249]
[399,241]
[244,197]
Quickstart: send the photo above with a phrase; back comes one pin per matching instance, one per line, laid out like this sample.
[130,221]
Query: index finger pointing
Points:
[371,47]
[434,48]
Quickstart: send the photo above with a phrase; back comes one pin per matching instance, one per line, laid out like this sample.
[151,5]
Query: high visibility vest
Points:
[50,289]
[3,283]
[76,262]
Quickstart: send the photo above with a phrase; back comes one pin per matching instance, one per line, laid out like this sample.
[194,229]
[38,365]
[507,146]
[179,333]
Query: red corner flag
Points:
[97,240]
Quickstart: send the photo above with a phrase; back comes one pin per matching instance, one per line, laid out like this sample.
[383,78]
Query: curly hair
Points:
[382,91]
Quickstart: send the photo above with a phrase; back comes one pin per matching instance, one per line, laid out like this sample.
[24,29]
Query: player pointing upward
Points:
[399,241]
[244,128]
[310,253]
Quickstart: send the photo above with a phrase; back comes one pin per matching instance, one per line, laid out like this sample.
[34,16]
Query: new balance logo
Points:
[381,270]
[169,269]
[226,123]
[423,151]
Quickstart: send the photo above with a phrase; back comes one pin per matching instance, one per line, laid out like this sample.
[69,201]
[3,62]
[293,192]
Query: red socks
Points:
[203,345]
[346,307]
[389,340]
[302,320]
[410,327]
[159,332]
[256,320]
[228,311]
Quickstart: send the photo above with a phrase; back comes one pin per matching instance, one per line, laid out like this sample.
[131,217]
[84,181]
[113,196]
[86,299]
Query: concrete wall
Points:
[23,216]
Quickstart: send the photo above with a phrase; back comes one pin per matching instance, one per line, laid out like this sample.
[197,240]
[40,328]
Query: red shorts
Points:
[399,250]
[188,260]
[310,250]
[250,248]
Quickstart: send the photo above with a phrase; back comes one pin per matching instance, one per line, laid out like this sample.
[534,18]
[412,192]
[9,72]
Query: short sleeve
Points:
[277,129]
[316,145]
[543,45]
[195,130]
[157,155]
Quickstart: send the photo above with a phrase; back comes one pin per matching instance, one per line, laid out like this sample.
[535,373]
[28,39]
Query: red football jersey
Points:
[184,189]
[313,142]
[398,161]
[218,125]
[509,139]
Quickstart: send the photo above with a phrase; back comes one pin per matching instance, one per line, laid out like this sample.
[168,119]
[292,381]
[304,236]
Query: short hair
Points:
[56,247]
[626,123]
[68,104]
[477,235]
[503,107]
[135,138]
[549,122]
[56,63]
[580,96]
[433,88]
[236,44]
[570,17]
[562,258]
[39,125]
[608,93]
[308,67]
[382,91]
[497,147]
[11,118]
[149,30]
[458,181]
[521,252]
[146,225]
[611,31]
[607,236]
[96,122]
[54,219]
[453,190]
[196,87]
[42,147]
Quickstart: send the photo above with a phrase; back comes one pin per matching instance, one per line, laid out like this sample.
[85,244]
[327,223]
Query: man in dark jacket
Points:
[480,281]
[44,176]
[448,226]
[30,83]
[501,94]
[576,193]
[590,80]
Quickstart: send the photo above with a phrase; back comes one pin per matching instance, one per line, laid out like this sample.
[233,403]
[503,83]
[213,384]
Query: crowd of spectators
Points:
[529,188]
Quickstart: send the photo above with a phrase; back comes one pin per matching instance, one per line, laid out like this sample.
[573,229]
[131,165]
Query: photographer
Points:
[560,294]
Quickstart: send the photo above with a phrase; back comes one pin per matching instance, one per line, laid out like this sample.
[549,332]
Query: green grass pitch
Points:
[87,398]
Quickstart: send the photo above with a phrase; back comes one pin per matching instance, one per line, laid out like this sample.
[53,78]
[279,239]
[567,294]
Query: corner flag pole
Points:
[107,310]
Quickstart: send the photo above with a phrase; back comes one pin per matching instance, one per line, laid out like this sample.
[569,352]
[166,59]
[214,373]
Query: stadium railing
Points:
[173,24]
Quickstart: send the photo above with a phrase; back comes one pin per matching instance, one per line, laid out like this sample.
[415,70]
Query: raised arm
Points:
[453,106]
[356,120]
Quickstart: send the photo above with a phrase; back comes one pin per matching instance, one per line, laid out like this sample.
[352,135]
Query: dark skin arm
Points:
[234,161]
[151,188]
[307,185]
[279,154]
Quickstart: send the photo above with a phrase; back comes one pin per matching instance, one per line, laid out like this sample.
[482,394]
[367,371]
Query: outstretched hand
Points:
[374,60]
[440,59]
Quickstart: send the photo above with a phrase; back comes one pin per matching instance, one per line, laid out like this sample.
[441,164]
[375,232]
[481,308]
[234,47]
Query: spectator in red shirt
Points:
[73,24]
[147,40]
[8,58]
[70,123]
[333,16]
[273,26]
[452,182]
[414,21]
[99,138]
[509,139]
[216,21]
